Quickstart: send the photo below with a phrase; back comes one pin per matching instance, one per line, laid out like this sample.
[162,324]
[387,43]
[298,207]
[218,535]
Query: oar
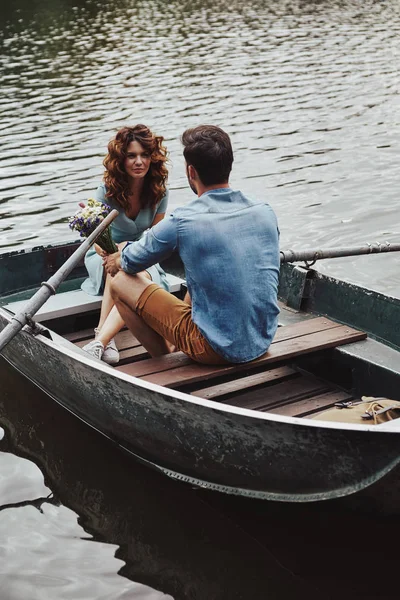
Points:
[311,256]
[50,286]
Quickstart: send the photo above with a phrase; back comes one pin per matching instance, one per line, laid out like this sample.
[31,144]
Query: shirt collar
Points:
[217,191]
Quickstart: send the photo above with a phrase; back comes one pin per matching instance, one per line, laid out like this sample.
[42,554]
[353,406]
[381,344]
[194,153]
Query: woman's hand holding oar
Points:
[50,286]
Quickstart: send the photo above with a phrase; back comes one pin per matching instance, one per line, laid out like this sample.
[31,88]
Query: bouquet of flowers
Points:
[88,218]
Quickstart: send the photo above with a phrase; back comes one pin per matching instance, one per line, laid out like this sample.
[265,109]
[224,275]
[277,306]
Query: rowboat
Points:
[246,429]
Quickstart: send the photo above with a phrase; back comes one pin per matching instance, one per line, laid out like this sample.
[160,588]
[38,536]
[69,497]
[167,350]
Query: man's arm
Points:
[157,244]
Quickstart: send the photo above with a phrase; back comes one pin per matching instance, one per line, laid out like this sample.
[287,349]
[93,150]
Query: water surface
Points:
[308,91]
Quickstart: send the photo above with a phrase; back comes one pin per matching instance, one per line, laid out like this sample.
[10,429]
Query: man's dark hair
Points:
[208,149]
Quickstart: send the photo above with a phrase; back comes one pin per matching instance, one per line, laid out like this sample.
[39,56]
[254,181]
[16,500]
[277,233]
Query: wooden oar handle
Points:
[312,256]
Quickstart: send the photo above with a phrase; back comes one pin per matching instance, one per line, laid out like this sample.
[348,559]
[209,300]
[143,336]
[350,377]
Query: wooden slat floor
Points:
[268,384]
[128,346]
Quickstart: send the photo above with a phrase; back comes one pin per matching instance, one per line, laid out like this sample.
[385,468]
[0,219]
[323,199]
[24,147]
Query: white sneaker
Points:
[111,354]
[94,348]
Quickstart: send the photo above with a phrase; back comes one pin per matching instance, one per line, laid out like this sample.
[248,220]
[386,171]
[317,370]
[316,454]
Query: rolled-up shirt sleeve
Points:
[155,245]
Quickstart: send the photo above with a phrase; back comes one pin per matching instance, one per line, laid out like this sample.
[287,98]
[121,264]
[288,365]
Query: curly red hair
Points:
[115,177]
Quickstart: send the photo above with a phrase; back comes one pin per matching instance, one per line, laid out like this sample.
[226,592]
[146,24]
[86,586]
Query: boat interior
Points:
[300,376]
[272,383]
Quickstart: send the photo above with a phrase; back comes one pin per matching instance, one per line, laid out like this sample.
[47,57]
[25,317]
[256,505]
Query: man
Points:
[229,245]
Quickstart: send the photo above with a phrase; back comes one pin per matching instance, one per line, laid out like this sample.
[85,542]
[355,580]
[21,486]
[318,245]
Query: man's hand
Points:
[112,263]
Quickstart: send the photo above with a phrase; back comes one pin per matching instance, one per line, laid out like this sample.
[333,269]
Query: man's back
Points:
[229,245]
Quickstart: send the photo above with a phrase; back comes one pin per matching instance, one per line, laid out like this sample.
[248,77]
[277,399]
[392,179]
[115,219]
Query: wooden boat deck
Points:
[270,383]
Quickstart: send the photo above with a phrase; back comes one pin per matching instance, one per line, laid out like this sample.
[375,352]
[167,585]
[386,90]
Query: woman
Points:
[135,184]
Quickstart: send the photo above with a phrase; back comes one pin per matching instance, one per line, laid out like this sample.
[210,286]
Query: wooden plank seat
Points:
[76,302]
[311,405]
[245,383]
[297,397]
[282,390]
[177,370]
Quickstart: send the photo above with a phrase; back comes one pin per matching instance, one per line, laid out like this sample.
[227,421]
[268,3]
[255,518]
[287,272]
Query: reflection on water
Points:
[108,517]
[309,93]
[100,526]
[307,90]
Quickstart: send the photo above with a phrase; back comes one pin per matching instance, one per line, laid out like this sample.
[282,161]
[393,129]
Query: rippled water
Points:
[309,92]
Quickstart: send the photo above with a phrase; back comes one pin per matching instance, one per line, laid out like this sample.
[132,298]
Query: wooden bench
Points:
[75,302]
[177,370]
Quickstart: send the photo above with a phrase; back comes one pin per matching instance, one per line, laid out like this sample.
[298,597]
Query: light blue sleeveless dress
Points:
[123,229]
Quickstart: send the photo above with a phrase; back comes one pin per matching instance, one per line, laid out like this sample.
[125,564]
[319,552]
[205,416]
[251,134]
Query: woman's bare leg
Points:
[111,326]
[106,304]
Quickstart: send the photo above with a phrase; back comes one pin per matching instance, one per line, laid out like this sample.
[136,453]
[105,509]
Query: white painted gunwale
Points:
[76,353]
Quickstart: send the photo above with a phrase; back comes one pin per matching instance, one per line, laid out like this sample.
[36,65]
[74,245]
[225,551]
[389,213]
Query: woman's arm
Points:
[159,217]
[161,209]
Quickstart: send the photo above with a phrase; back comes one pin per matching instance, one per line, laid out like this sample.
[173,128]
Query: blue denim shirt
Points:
[229,245]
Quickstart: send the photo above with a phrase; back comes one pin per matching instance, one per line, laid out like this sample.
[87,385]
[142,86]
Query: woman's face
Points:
[137,161]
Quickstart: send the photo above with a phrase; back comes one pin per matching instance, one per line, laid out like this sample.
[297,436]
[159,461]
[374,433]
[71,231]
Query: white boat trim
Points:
[76,353]
[75,302]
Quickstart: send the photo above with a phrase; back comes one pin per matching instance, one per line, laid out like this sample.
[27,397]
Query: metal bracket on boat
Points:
[308,265]
[36,328]
[298,280]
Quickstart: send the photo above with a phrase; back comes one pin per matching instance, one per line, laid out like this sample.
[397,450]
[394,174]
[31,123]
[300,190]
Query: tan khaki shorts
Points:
[172,318]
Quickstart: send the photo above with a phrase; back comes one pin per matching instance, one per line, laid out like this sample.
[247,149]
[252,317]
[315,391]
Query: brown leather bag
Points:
[367,411]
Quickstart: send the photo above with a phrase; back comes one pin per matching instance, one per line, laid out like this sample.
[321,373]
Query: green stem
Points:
[106,242]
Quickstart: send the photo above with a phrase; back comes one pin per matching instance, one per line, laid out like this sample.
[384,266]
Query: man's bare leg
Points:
[125,291]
